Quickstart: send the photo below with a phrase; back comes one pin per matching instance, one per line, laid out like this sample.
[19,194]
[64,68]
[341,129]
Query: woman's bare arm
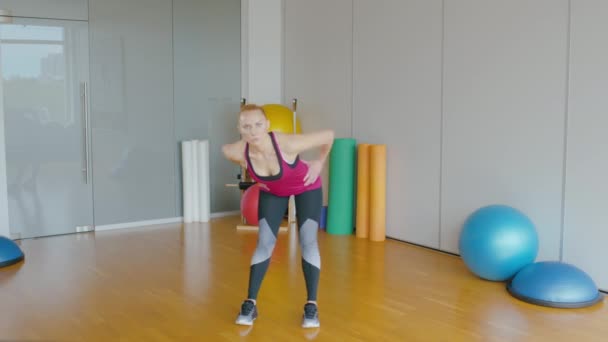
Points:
[297,143]
[294,144]
[235,152]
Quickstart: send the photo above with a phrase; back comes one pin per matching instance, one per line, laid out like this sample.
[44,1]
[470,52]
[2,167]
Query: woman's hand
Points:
[314,170]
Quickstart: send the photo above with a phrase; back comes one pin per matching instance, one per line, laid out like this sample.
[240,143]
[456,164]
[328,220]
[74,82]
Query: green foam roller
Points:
[342,163]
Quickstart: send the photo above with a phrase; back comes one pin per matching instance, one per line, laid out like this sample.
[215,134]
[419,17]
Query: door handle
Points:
[85,130]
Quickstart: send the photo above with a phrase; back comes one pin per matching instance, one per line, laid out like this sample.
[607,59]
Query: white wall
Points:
[132,118]
[207,88]
[262,46]
[318,67]
[586,201]
[504,111]
[55,9]
[397,101]
[518,88]
[4,221]
[318,63]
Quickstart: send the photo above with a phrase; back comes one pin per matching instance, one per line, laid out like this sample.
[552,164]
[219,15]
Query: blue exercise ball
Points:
[554,284]
[496,241]
[10,253]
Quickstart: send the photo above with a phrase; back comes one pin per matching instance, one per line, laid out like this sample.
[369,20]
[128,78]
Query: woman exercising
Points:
[272,160]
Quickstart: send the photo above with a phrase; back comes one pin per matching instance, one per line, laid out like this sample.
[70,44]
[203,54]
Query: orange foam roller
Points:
[377,190]
[362,219]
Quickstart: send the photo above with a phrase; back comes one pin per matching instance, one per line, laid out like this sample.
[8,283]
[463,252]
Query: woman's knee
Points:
[265,246]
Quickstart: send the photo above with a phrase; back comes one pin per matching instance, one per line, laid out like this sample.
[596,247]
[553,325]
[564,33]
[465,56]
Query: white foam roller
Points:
[196,217]
[195,173]
[187,190]
[203,183]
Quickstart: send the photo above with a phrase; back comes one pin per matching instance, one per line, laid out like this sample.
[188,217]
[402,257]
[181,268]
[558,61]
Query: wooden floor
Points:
[186,283]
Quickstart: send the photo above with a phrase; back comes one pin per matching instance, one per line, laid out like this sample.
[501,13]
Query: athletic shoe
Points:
[248,314]
[311,316]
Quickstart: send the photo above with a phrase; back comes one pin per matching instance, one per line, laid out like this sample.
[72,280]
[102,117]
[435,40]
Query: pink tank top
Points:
[290,179]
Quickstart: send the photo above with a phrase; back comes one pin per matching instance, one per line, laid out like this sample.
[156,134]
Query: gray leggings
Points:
[270,213]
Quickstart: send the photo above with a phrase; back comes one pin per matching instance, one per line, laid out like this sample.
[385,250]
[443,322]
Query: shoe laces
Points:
[310,310]
[247,307]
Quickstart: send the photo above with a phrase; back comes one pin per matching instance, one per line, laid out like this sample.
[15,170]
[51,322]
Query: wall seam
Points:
[566,122]
[441,121]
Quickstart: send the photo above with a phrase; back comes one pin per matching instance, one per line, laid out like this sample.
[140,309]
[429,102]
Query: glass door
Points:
[44,74]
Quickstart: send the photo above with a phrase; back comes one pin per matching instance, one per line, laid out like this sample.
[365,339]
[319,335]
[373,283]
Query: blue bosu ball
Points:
[10,253]
[554,284]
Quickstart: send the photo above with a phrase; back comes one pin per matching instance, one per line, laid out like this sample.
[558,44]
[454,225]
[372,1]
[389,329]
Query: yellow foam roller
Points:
[377,190]
[362,219]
